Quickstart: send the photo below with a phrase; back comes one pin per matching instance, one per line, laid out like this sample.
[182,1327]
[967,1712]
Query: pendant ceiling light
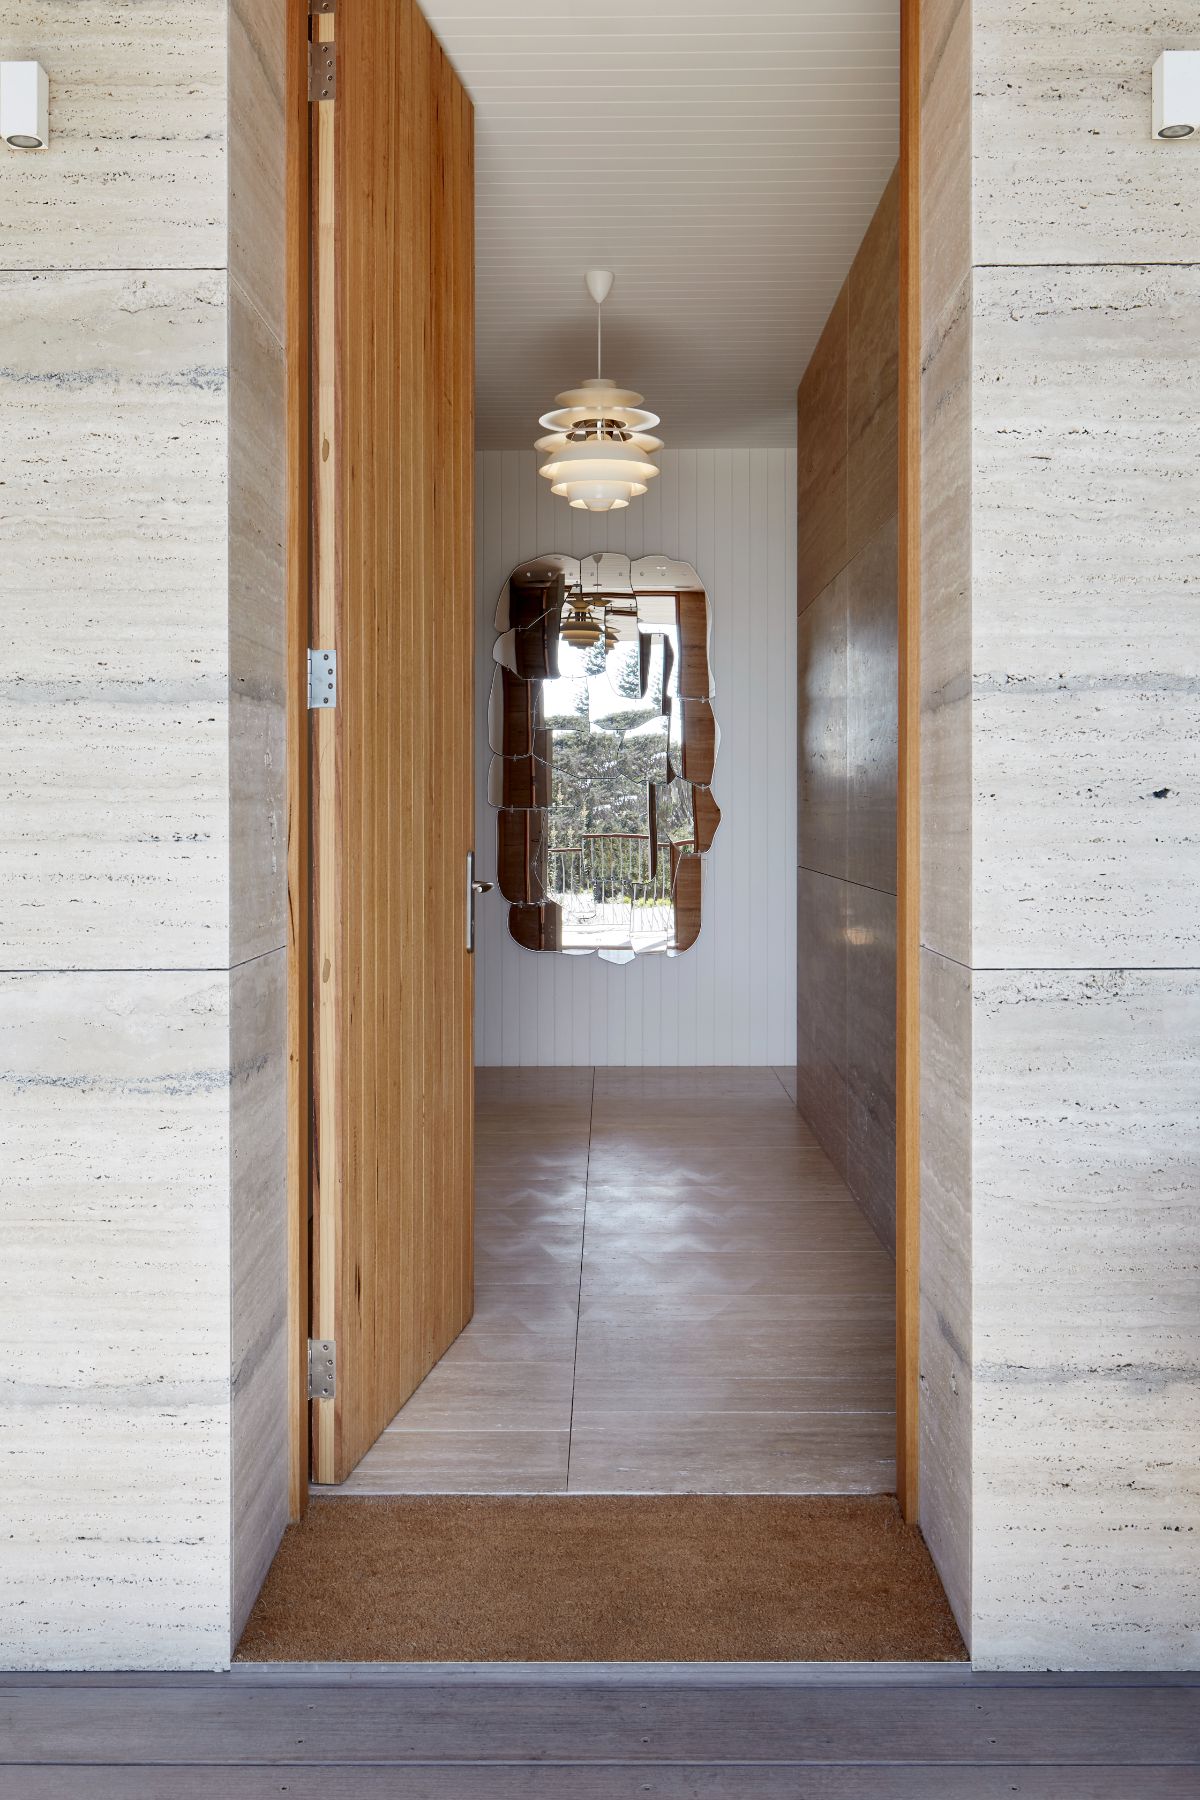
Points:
[582,628]
[599,448]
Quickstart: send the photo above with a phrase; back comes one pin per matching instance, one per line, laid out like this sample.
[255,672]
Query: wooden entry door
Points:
[393,758]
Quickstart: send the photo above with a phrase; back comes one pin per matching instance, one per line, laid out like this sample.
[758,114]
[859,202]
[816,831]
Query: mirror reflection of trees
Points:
[603,680]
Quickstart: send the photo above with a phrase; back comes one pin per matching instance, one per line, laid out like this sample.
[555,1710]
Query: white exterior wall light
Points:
[1176,94]
[24,105]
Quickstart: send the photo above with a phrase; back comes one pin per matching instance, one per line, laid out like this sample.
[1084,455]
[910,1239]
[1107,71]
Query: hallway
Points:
[675,1293]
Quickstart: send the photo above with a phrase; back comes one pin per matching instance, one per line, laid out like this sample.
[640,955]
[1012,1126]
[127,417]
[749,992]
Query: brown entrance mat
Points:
[662,1578]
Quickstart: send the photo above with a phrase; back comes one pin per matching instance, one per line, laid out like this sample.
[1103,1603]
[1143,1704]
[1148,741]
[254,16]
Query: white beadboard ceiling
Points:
[723,158]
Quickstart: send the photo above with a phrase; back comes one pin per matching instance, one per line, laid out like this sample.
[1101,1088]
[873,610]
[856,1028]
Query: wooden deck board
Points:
[476,1728]
[612,1782]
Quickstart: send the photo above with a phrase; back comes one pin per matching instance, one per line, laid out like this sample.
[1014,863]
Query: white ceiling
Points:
[724,158]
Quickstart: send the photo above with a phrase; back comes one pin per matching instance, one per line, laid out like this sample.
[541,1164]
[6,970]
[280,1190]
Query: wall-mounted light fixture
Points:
[1176,94]
[24,105]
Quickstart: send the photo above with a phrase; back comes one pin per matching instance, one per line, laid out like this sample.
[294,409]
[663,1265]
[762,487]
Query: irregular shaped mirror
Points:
[604,744]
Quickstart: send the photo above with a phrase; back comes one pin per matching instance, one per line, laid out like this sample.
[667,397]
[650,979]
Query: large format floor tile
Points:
[733,1453]
[463,1462]
[675,1293]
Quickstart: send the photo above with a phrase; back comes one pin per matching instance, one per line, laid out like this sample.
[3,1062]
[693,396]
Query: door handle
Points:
[473,889]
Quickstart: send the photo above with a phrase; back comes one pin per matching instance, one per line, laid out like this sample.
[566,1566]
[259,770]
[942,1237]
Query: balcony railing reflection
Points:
[606,878]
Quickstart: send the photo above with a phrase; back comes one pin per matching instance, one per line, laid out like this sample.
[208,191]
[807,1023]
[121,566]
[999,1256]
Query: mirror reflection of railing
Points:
[604,744]
[609,882]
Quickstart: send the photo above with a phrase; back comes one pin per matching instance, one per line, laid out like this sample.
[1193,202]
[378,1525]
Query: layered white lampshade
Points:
[599,448]
[584,630]
[600,464]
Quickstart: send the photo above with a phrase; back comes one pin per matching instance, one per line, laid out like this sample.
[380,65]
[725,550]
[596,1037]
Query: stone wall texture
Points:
[1061,813]
[142,867]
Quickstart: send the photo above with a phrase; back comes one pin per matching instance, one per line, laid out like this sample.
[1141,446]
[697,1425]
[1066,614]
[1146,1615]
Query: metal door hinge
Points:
[322,68]
[322,678]
[320,6]
[322,1368]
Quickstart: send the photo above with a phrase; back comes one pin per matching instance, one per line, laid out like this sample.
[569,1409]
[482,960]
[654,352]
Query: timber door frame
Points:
[299,865]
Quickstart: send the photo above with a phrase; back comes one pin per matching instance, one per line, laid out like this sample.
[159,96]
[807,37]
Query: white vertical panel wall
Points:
[732,997]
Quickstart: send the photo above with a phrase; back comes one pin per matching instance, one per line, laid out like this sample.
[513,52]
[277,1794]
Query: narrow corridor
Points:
[675,1293]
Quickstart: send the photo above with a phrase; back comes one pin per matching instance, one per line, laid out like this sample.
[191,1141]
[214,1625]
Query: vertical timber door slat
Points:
[393,764]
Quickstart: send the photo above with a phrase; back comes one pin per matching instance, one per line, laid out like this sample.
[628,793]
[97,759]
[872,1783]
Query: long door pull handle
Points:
[473,888]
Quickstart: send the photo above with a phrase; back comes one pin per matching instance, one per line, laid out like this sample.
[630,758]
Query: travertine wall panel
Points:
[114,1283]
[945,1415]
[143,1480]
[135,176]
[946,886]
[258,157]
[257,709]
[946,875]
[257,801]
[1060,658]
[115,780]
[257,1151]
[1086,529]
[1064,168]
[946,192]
[1086,1271]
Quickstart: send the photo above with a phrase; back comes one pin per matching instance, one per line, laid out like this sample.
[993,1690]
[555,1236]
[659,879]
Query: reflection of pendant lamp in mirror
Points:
[599,445]
[582,628]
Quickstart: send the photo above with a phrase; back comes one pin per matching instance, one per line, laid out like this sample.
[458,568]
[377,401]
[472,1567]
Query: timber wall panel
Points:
[846,840]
